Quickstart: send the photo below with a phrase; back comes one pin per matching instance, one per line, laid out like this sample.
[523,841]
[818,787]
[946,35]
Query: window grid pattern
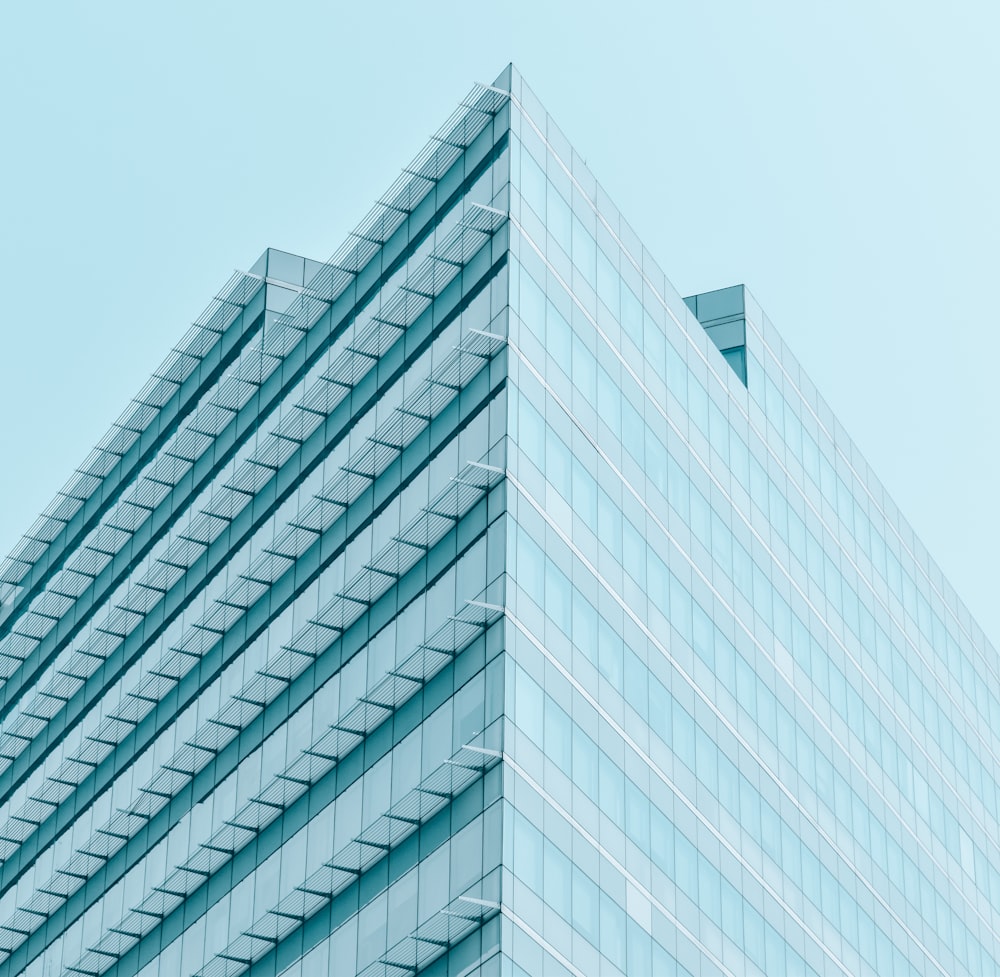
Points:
[455,606]
[714,567]
[276,559]
[294,589]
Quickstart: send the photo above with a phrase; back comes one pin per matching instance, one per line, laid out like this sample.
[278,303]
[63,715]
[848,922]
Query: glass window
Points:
[533,183]
[584,252]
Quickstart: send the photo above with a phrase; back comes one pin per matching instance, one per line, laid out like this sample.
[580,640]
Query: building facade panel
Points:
[718,611]
[278,633]
[473,603]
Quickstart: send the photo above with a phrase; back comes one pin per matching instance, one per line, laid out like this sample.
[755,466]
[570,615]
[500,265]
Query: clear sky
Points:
[839,158]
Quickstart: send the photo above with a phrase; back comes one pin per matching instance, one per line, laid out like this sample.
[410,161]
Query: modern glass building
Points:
[473,604]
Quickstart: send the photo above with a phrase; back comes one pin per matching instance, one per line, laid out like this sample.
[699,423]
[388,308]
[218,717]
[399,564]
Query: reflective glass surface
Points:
[753,728]
[471,603]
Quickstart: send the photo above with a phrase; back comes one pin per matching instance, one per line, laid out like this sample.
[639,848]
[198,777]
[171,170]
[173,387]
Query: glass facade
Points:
[473,604]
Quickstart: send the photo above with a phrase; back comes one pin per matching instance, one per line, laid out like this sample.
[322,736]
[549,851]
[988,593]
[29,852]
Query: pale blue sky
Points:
[840,159]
